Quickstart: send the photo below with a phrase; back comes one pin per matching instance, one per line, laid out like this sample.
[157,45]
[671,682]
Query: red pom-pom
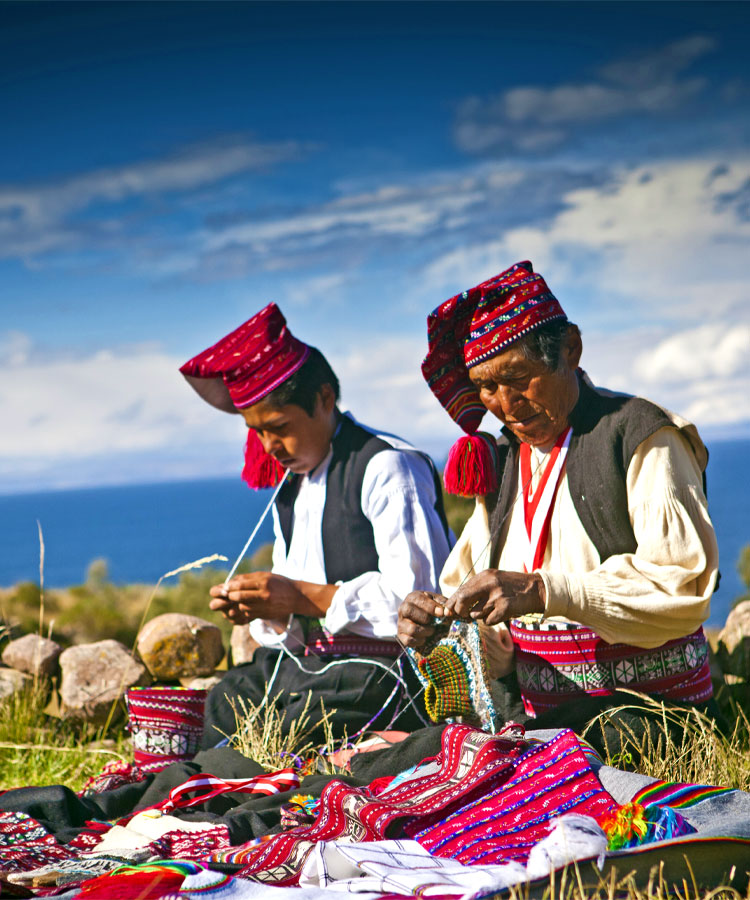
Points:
[470,470]
[261,470]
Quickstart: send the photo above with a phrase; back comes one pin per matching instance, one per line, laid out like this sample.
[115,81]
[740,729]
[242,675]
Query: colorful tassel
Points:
[147,882]
[633,824]
[261,470]
[470,470]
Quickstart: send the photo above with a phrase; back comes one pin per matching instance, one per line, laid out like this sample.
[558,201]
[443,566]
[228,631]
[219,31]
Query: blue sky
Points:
[168,169]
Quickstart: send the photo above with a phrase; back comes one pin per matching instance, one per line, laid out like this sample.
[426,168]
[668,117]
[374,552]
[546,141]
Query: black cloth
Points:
[357,691]
[348,538]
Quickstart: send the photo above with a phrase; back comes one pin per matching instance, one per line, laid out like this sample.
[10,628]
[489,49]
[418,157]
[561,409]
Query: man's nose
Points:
[509,399]
[271,442]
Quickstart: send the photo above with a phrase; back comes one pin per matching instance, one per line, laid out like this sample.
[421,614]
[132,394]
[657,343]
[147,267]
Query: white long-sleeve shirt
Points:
[398,497]
[660,592]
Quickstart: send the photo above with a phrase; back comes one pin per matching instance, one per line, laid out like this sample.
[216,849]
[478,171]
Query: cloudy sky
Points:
[166,170]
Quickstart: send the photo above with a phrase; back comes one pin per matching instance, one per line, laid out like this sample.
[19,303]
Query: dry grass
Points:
[259,734]
[680,746]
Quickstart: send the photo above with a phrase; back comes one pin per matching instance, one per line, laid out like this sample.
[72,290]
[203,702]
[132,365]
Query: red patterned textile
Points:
[476,325]
[505,823]
[247,364]
[323,643]
[472,763]
[557,662]
[166,724]
[25,844]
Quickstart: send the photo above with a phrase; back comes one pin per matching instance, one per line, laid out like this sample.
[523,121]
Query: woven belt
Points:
[322,643]
[557,662]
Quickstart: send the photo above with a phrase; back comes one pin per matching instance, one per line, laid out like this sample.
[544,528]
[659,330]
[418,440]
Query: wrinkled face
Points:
[297,440]
[529,399]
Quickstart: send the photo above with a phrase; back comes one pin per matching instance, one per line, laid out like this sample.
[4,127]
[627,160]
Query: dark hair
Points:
[546,342]
[302,388]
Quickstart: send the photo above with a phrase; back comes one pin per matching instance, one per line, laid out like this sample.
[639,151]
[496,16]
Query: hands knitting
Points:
[495,596]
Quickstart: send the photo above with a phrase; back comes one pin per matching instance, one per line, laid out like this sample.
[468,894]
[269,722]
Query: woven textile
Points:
[556,661]
[115,774]
[246,365]
[471,763]
[455,678]
[676,795]
[25,844]
[505,822]
[166,724]
[322,643]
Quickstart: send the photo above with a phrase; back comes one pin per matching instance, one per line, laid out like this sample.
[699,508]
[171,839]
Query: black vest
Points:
[348,539]
[606,432]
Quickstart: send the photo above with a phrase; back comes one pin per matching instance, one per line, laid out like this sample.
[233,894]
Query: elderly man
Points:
[590,553]
[358,523]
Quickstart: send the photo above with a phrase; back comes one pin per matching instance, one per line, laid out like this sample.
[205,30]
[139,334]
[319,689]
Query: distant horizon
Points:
[236,474]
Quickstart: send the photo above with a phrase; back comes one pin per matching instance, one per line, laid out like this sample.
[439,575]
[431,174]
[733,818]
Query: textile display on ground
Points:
[482,813]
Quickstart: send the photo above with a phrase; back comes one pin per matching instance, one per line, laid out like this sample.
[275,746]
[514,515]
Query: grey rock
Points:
[33,654]
[11,682]
[201,684]
[242,646]
[175,646]
[94,676]
[733,650]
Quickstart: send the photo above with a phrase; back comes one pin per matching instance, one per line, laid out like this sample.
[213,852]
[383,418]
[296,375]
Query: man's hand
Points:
[264,595]
[416,617]
[495,596]
[257,595]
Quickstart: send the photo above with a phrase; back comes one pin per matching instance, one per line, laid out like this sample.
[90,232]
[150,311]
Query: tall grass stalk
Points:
[196,564]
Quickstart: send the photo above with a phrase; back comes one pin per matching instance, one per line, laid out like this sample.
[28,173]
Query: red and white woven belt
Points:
[558,661]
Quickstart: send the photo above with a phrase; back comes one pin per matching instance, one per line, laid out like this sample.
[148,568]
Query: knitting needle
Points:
[255,531]
[438,621]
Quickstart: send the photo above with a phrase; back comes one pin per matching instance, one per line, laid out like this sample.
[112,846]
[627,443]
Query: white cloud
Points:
[532,118]
[128,415]
[654,267]
[37,218]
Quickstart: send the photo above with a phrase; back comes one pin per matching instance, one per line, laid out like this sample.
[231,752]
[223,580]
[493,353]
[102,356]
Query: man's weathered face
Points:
[529,399]
[297,440]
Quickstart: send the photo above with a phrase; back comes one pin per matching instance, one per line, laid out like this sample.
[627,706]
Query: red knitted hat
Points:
[466,330]
[241,369]
[247,364]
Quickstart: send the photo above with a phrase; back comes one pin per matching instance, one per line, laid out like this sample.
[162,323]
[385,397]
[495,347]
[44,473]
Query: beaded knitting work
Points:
[454,675]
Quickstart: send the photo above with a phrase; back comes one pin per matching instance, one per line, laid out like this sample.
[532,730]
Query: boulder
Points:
[33,654]
[94,676]
[175,646]
[241,645]
[201,684]
[733,650]
[11,682]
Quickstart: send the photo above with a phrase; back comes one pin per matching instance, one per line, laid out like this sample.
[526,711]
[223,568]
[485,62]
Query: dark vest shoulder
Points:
[607,429]
[347,534]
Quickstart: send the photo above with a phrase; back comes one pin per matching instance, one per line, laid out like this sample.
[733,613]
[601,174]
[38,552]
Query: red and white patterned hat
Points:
[469,329]
[243,368]
[246,365]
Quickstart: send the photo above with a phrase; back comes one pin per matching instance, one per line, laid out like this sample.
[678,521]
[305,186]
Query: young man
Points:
[358,524]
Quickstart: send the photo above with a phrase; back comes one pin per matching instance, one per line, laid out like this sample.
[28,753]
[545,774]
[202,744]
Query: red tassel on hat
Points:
[470,470]
[261,470]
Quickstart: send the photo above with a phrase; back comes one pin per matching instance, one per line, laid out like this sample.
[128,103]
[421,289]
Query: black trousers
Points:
[359,692]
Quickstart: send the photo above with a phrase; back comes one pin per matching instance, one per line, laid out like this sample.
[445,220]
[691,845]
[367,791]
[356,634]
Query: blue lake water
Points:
[144,531]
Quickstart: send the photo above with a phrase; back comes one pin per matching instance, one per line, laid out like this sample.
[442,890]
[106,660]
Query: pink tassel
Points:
[470,470]
[261,470]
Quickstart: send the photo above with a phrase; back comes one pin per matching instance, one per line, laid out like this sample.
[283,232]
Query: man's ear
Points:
[327,398]
[572,347]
